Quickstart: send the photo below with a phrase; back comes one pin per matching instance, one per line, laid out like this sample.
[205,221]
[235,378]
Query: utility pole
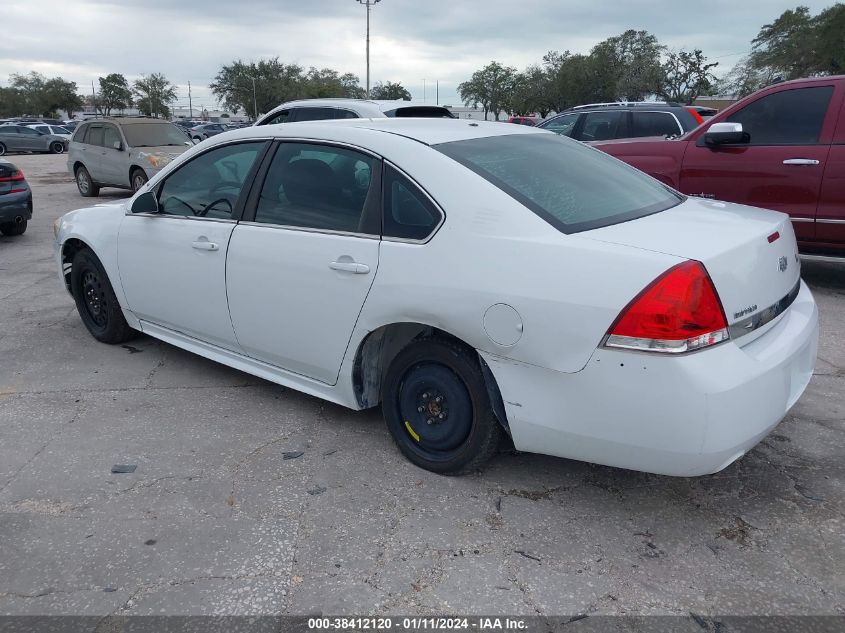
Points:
[438,91]
[255,99]
[190,105]
[424,96]
[93,97]
[368,4]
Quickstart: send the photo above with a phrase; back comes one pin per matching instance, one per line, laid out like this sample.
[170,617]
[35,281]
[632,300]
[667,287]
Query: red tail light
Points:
[16,176]
[679,311]
[695,115]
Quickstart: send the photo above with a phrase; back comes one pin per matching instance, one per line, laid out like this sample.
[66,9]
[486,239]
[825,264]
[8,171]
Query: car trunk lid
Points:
[750,254]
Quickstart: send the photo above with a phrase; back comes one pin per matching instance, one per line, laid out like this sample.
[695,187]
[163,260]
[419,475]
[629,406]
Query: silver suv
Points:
[122,153]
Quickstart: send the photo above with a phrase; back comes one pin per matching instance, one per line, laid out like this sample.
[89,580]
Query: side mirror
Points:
[725,133]
[146,203]
[118,146]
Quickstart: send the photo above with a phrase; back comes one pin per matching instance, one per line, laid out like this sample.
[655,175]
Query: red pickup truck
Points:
[780,148]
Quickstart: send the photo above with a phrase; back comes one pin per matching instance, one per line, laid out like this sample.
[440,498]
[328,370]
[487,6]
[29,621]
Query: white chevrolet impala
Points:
[476,280]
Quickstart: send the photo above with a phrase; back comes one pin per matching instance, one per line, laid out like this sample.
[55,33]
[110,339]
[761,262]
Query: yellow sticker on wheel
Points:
[412,431]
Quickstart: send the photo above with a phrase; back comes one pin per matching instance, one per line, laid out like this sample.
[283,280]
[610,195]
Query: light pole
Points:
[368,4]
[254,99]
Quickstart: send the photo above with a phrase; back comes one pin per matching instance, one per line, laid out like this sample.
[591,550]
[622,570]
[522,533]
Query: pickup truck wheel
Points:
[138,178]
[96,301]
[436,407]
[13,228]
[86,186]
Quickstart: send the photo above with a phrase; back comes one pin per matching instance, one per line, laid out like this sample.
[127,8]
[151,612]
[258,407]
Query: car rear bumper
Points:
[14,205]
[684,416]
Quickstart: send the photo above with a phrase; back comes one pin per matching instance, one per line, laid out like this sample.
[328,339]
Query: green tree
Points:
[390,91]
[62,95]
[531,92]
[275,83]
[325,82]
[627,67]
[31,92]
[491,87]
[686,75]
[115,93]
[154,94]
[11,102]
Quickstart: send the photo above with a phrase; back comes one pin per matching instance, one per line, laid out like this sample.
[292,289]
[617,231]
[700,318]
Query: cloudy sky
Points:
[412,40]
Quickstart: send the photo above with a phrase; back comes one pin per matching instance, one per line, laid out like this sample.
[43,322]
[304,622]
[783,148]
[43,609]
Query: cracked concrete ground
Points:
[215,520]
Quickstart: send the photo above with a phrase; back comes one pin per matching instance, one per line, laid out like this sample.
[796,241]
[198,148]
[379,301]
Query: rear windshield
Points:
[428,112]
[571,186]
[153,134]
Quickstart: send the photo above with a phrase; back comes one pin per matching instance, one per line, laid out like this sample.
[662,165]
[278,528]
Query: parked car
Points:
[15,200]
[206,130]
[55,130]
[522,120]
[71,125]
[19,138]
[322,109]
[623,120]
[474,279]
[704,112]
[122,152]
[780,148]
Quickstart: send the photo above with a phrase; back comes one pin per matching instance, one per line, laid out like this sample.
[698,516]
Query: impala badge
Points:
[783,264]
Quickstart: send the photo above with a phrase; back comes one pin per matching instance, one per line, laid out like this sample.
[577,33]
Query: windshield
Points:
[571,186]
[152,134]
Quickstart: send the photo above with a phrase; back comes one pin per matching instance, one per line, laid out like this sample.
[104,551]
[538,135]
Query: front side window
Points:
[95,135]
[563,125]
[209,185]
[654,124]
[318,187]
[408,213]
[788,117]
[111,137]
[601,126]
[572,187]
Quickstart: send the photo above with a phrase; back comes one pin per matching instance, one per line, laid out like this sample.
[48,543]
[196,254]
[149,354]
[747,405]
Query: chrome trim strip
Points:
[830,221]
[822,258]
[180,217]
[765,316]
[307,229]
[810,220]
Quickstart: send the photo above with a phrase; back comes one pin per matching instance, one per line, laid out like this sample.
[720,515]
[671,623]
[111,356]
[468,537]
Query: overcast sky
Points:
[412,40]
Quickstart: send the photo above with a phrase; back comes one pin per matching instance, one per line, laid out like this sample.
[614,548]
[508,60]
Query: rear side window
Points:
[427,112]
[601,126]
[281,117]
[346,114]
[313,114]
[654,124]
[572,187]
[789,117]
[408,213]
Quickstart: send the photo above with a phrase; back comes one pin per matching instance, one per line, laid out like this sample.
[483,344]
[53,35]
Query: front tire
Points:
[12,228]
[57,148]
[138,178]
[2,149]
[86,186]
[96,301]
[436,407]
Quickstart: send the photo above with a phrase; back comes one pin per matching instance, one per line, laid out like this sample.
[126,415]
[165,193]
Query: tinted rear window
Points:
[427,112]
[571,186]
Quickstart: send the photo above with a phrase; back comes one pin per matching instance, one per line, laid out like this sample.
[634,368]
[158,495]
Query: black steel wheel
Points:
[95,300]
[437,409]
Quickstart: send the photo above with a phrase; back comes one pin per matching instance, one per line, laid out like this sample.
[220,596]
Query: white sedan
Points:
[476,280]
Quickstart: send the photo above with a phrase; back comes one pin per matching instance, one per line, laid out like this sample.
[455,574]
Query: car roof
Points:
[363,107]
[128,120]
[423,130]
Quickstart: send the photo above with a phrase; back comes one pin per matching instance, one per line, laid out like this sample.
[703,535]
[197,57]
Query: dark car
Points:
[204,131]
[19,138]
[606,121]
[15,200]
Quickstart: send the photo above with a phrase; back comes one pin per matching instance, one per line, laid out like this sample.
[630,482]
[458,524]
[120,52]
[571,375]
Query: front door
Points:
[779,168]
[173,263]
[300,269]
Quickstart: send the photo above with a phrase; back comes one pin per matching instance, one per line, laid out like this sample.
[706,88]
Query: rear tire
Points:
[436,407]
[12,228]
[95,300]
[138,178]
[2,149]
[57,148]
[86,186]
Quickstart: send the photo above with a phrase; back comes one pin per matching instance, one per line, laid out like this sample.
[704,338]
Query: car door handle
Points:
[350,267]
[800,161]
[204,245]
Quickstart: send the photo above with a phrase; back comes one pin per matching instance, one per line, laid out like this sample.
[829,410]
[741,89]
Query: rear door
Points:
[830,218]
[654,123]
[780,167]
[301,264]
[602,126]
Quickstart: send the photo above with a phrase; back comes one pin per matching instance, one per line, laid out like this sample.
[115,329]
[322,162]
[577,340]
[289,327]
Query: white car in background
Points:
[473,279]
[326,109]
[55,130]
